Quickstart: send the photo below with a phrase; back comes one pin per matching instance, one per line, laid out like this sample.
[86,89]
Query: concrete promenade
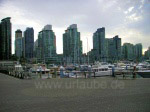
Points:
[103,94]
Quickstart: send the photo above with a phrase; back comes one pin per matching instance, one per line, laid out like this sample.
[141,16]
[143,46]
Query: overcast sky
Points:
[130,19]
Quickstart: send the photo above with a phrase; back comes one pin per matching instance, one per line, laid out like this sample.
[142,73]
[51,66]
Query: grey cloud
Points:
[143,24]
[1,2]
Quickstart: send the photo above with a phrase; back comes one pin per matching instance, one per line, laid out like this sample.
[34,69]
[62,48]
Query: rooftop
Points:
[7,18]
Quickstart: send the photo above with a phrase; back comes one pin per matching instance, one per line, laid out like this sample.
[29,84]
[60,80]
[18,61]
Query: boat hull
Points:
[102,73]
[144,74]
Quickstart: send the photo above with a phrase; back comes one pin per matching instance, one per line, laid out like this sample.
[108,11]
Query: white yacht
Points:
[18,67]
[39,68]
[102,71]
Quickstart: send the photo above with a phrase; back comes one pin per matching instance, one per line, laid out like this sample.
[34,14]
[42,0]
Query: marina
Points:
[15,69]
[74,56]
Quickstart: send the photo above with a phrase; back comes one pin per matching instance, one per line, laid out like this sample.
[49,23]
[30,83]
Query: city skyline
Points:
[128,19]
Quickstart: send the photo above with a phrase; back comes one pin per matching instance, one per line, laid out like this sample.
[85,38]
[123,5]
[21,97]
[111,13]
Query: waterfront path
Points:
[74,95]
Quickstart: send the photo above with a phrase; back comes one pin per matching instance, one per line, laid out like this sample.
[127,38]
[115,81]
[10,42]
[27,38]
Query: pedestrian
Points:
[113,72]
[134,73]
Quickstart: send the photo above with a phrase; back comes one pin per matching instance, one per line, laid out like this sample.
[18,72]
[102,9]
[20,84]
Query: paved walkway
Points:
[74,95]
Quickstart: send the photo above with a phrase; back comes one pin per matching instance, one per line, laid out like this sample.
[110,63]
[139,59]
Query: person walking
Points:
[134,72]
[113,72]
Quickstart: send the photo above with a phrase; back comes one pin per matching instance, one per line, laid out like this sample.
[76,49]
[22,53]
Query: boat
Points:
[39,68]
[101,71]
[18,67]
[144,73]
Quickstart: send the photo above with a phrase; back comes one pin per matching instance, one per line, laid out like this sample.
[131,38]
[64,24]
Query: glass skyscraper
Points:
[5,39]
[117,45]
[29,42]
[72,45]
[128,51]
[99,45]
[18,43]
[132,52]
[147,54]
[138,51]
[113,48]
[47,45]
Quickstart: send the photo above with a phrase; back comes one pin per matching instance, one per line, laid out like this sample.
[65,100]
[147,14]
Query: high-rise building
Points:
[47,45]
[99,45]
[132,52]
[35,48]
[5,39]
[117,44]
[113,48]
[18,34]
[147,54]
[18,43]
[138,51]
[29,42]
[23,47]
[128,51]
[40,55]
[72,45]
[110,49]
